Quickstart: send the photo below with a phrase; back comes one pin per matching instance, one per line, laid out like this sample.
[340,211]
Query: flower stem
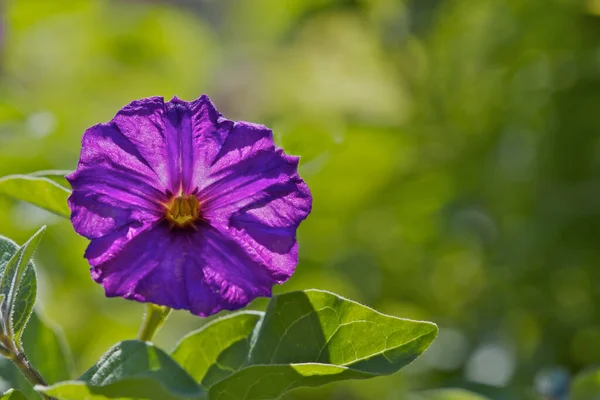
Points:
[155,317]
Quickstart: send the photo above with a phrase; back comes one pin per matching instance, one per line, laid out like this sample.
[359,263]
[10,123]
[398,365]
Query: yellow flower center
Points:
[183,211]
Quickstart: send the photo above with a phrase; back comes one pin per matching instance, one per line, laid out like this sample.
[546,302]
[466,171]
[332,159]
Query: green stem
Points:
[27,369]
[10,351]
[155,317]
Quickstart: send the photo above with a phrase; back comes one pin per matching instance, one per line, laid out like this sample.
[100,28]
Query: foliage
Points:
[18,286]
[304,338]
[586,386]
[13,395]
[448,394]
[39,191]
[451,146]
[130,369]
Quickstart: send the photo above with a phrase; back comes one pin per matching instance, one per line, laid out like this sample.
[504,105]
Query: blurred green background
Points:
[451,146]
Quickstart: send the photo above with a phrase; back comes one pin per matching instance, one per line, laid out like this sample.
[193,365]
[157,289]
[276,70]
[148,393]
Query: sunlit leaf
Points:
[218,349]
[57,175]
[447,394]
[313,337]
[39,191]
[12,378]
[130,370]
[19,286]
[23,304]
[586,386]
[13,395]
[47,350]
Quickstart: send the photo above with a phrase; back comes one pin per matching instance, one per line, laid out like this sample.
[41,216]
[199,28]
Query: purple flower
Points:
[185,208]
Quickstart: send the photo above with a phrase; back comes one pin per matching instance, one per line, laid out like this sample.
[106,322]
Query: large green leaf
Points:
[306,338]
[47,350]
[218,349]
[272,381]
[13,395]
[448,394]
[130,370]
[18,285]
[12,378]
[39,191]
[586,386]
[57,175]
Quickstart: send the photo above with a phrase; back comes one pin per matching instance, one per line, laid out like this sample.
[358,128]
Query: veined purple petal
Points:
[268,225]
[233,277]
[144,123]
[208,133]
[154,258]
[112,185]
[107,247]
[247,163]
[178,139]
[254,191]
[203,271]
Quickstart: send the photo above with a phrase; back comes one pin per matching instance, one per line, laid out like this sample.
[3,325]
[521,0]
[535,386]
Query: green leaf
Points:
[314,337]
[23,303]
[39,191]
[47,351]
[57,175]
[19,286]
[133,388]
[13,395]
[13,378]
[586,386]
[47,354]
[448,394]
[130,370]
[272,381]
[219,348]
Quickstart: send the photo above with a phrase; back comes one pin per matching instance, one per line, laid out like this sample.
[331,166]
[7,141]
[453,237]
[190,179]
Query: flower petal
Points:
[203,141]
[153,253]
[107,247]
[203,271]
[112,186]
[248,163]
[143,123]
[234,277]
[254,191]
[268,225]
[177,137]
